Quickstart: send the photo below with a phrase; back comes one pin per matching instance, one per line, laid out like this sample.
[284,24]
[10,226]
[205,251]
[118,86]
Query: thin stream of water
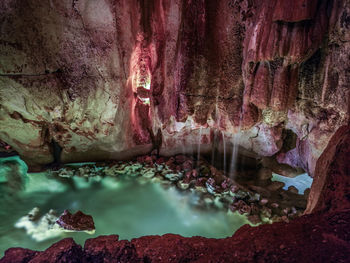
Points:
[235,143]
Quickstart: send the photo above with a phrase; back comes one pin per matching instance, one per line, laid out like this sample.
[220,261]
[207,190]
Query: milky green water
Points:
[127,206]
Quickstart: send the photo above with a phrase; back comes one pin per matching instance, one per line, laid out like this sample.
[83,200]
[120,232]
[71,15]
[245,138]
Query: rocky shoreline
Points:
[261,200]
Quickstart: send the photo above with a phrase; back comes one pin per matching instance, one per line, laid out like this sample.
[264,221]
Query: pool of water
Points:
[301,182]
[127,206]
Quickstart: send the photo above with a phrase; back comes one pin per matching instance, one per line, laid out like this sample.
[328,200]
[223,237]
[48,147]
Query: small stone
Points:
[254,219]
[148,160]
[182,185]
[224,185]
[293,189]
[65,173]
[210,184]
[173,176]
[234,189]
[241,194]
[265,212]
[194,173]
[200,189]
[276,218]
[286,211]
[187,165]
[160,160]
[263,201]
[160,167]
[285,219]
[254,209]
[274,205]
[149,174]
[170,161]
[253,197]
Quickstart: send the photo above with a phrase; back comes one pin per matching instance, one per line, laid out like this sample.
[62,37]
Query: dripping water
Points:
[224,146]
[199,144]
[214,145]
[235,144]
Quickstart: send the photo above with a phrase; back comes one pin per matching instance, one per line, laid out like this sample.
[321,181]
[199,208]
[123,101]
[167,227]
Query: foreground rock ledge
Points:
[311,238]
[323,236]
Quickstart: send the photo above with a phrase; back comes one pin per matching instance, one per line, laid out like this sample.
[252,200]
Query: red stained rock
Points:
[251,115]
[76,222]
[109,249]
[261,90]
[331,187]
[312,238]
[284,88]
[65,250]
[18,255]
[301,10]
[279,96]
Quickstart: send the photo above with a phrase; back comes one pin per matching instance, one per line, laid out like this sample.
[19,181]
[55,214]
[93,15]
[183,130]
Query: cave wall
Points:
[71,71]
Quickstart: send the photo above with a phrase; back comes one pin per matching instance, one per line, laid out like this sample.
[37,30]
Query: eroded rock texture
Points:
[79,73]
[322,236]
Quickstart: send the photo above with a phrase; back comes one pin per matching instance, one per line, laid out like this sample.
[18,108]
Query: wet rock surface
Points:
[311,238]
[51,225]
[223,66]
[76,222]
[322,236]
[261,200]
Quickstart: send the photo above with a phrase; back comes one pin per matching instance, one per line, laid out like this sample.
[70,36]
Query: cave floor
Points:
[141,198]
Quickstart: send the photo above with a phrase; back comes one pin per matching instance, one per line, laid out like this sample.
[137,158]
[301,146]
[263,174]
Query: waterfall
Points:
[199,144]
[214,144]
[224,145]
[235,145]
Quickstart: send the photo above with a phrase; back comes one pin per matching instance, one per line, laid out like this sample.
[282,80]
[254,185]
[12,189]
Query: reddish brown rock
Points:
[260,93]
[65,251]
[313,238]
[331,187]
[76,222]
[109,249]
[302,10]
[18,255]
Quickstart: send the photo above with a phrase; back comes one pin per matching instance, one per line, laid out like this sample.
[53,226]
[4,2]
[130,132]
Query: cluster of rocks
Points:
[50,225]
[261,200]
[81,171]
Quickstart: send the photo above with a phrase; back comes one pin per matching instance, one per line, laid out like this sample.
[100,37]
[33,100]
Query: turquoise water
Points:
[301,182]
[127,206]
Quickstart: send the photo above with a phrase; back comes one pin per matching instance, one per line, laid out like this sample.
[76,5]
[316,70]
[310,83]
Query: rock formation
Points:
[98,79]
[322,236]
[93,76]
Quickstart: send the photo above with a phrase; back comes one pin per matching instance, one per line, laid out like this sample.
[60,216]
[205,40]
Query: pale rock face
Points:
[67,73]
